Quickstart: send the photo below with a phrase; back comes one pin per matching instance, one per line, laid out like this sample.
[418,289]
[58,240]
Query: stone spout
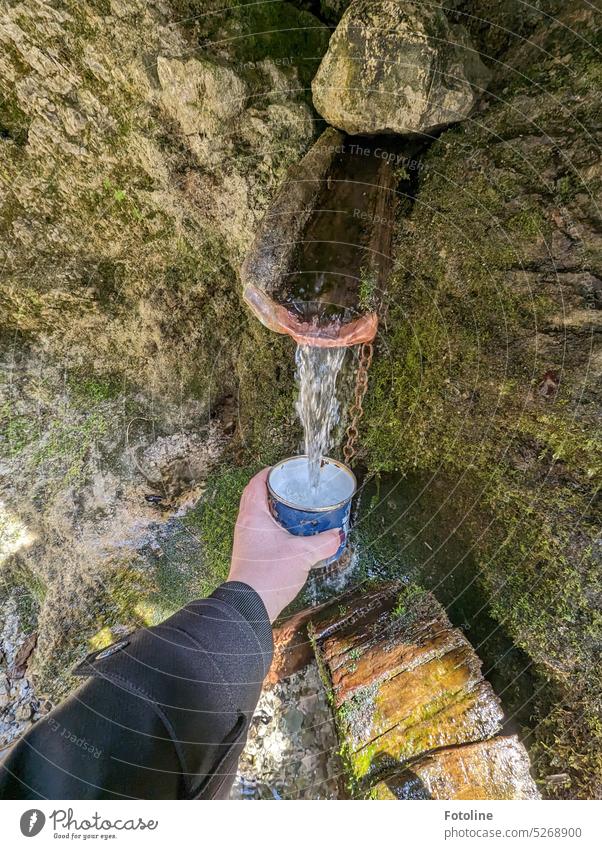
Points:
[334,335]
[319,262]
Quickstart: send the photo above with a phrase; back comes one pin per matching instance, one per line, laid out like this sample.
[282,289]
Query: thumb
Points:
[321,546]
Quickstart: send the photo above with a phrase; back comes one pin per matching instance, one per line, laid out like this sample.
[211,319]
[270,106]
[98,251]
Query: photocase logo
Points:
[32,822]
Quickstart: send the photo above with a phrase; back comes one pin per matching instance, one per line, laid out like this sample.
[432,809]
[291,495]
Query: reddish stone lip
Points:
[278,318]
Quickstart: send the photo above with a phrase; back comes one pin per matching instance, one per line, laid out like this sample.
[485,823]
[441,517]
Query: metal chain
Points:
[356,410]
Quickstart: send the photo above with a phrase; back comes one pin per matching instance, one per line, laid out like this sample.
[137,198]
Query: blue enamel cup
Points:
[330,507]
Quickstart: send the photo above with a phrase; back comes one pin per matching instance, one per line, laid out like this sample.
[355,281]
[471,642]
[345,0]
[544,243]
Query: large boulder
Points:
[397,67]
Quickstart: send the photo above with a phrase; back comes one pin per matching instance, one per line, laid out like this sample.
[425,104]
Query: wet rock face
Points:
[291,750]
[178,463]
[492,769]
[87,502]
[496,25]
[19,703]
[138,169]
[131,204]
[397,67]
[405,683]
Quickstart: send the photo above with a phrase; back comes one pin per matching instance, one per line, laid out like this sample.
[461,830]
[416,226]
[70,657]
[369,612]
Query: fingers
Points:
[255,492]
[321,546]
[258,480]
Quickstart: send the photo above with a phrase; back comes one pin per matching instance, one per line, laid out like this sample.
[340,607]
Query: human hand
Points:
[267,557]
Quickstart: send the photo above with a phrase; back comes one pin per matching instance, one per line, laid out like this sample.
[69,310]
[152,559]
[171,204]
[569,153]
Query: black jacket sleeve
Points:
[163,713]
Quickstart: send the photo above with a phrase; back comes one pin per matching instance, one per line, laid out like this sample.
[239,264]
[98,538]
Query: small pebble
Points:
[23,712]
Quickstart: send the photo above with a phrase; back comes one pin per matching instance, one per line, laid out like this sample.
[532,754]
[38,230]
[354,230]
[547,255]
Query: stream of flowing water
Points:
[317,405]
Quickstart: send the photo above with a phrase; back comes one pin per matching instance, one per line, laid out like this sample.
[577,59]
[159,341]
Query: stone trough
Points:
[317,267]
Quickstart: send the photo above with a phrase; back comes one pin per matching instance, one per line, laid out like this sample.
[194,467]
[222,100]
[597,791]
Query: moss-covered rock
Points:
[397,67]
[491,769]
[489,366]
[281,32]
[404,683]
[139,167]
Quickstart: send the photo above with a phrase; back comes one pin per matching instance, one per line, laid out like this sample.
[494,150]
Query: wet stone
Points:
[23,712]
[292,747]
[293,719]
[18,702]
[308,738]
[403,680]
[492,769]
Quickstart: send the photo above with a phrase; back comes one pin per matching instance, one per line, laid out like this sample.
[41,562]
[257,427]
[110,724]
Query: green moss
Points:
[60,438]
[253,32]
[407,600]
[322,669]
[86,390]
[362,761]
[367,291]
[26,587]
[454,384]
[212,523]
[102,639]
[14,123]
[527,224]
[126,587]
[66,444]
[564,439]
[270,428]
[116,602]
[538,592]
[16,431]
[559,745]
[193,557]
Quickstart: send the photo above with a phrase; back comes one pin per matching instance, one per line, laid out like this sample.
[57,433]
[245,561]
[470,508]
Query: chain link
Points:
[356,410]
